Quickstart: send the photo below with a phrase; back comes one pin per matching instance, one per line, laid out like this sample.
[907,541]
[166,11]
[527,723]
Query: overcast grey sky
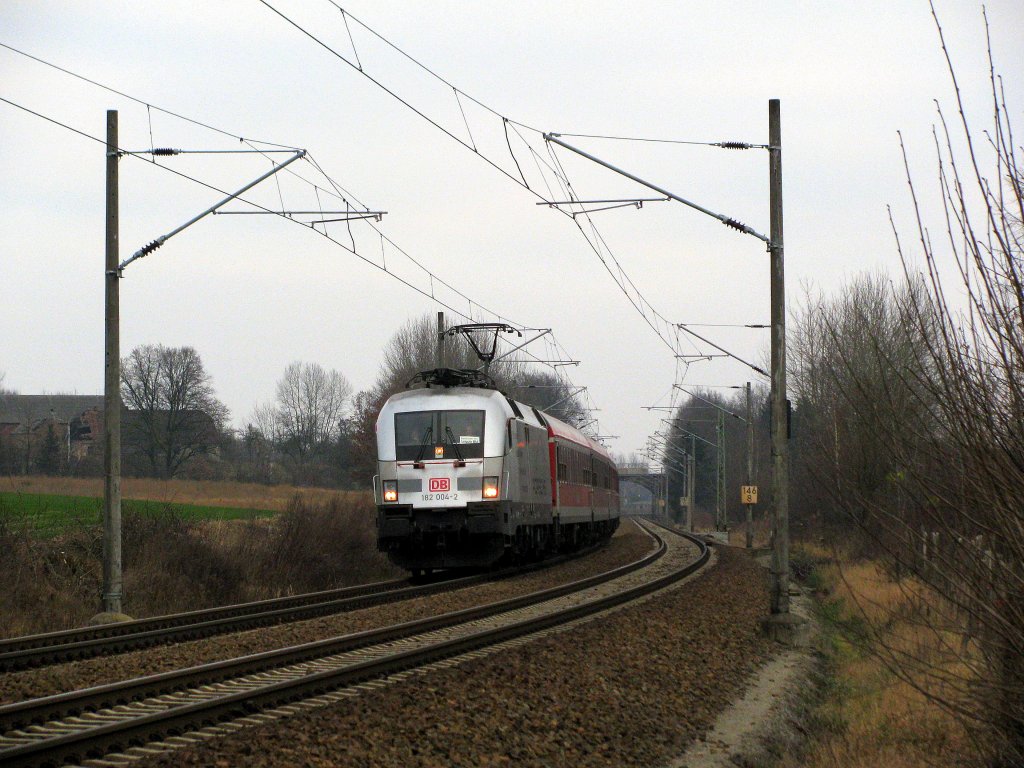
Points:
[253,293]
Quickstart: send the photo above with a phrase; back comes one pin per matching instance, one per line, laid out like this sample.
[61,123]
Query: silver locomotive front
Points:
[440,455]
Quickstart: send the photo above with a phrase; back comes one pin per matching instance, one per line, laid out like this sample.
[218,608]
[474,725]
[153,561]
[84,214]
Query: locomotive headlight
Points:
[390,490]
[490,487]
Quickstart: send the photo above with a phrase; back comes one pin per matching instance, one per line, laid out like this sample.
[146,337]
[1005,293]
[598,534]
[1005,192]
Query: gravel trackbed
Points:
[627,545]
[632,688]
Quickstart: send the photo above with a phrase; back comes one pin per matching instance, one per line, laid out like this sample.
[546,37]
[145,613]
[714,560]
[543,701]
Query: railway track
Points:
[74,644]
[123,717]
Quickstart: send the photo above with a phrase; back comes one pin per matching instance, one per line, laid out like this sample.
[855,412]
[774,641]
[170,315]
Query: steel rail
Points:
[114,736]
[104,738]
[74,644]
[42,640]
[34,711]
[120,736]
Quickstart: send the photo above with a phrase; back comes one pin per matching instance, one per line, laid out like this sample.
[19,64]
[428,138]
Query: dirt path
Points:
[758,726]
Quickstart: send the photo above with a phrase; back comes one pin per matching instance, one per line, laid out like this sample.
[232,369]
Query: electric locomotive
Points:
[469,476]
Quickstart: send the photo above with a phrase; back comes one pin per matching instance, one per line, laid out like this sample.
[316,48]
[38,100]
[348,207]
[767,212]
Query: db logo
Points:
[440,485]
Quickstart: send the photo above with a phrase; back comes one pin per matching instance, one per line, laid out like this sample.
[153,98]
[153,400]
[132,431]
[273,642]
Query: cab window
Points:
[439,435]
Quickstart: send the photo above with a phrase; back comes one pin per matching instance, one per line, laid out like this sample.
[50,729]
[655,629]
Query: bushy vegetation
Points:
[173,562]
[860,711]
[910,447]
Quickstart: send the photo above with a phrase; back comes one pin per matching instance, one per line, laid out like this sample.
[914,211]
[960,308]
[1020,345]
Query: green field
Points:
[49,514]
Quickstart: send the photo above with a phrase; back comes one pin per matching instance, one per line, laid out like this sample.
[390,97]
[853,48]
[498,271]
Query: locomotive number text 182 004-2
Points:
[454,496]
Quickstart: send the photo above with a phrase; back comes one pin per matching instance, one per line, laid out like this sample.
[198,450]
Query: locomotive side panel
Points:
[529,484]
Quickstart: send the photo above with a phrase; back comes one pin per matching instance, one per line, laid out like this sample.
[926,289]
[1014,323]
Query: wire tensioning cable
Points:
[719,144]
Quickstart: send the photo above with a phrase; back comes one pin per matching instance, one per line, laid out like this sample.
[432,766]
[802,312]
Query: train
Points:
[468,478]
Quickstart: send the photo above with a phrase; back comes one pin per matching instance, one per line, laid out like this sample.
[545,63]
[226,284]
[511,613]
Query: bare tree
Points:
[633,460]
[413,348]
[549,393]
[307,416]
[173,412]
[857,368]
[694,426]
[926,403]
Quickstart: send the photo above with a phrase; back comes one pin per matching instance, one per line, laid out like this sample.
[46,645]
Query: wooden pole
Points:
[112,388]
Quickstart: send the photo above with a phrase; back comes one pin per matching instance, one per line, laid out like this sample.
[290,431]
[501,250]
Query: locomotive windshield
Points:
[427,435]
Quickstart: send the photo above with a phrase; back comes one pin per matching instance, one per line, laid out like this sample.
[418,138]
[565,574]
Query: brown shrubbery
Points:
[911,401]
[172,564]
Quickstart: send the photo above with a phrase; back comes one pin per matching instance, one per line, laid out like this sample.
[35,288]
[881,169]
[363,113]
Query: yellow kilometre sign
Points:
[748,494]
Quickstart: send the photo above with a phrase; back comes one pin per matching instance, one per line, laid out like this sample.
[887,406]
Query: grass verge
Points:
[864,709]
[212,493]
[49,514]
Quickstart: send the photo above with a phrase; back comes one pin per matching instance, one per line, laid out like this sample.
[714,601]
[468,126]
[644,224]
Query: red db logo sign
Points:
[440,485]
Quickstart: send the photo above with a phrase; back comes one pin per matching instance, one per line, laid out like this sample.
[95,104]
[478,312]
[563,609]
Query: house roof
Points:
[28,409]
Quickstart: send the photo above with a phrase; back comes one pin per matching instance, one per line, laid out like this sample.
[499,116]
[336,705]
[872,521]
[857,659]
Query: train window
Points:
[462,434]
[459,434]
[413,431]
[515,407]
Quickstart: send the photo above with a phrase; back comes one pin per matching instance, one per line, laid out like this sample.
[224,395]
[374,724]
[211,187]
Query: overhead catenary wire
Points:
[615,270]
[139,101]
[84,134]
[249,141]
[638,300]
[725,325]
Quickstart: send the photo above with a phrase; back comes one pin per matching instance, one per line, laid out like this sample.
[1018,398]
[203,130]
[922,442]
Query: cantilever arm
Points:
[150,247]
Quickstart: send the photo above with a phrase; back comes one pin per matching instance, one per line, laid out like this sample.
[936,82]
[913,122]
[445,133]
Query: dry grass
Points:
[175,564]
[877,711]
[762,532]
[275,498]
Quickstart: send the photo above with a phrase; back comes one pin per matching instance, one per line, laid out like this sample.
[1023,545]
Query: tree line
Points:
[315,430]
[907,441]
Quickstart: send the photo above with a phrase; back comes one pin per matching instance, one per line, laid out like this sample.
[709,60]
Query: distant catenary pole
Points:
[440,339]
[721,516]
[691,465]
[750,468]
[112,388]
